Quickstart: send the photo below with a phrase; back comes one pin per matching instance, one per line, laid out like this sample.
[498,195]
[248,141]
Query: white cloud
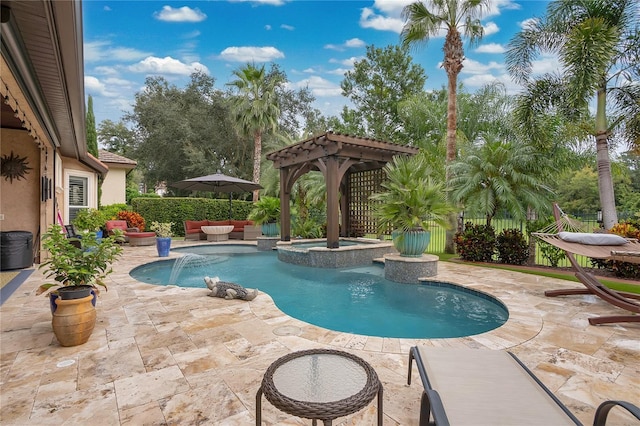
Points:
[346,62]
[349,44]
[319,86]
[339,71]
[181,14]
[480,80]
[167,65]
[287,27]
[471,66]
[391,7]
[192,34]
[496,7]
[491,48]
[106,9]
[547,64]
[267,27]
[369,19]
[104,70]
[251,53]
[94,87]
[261,2]
[95,51]
[490,28]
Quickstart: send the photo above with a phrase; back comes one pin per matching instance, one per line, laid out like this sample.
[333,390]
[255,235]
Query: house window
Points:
[80,192]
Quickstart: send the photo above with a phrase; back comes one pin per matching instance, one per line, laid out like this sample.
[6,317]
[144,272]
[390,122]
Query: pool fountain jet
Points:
[191,260]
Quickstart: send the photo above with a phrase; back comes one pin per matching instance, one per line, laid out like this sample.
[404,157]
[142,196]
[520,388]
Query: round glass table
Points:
[319,384]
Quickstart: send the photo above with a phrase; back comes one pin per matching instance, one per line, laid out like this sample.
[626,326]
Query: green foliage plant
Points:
[551,253]
[265,210]
[111,211]
[411,198]
[162,229]
[89,220]
[477,243]
[308,228]
[512,247]
[87,262]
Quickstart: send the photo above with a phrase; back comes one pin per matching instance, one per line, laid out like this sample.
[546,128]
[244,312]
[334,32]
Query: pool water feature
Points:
[353,300]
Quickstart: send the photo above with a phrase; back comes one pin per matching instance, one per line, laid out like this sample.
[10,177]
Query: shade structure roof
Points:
[217,182]
[337,156]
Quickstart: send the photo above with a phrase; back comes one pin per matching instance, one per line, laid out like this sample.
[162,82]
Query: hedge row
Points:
[177,210]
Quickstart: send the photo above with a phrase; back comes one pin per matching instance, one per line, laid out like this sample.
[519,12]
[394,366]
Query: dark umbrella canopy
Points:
[217,183]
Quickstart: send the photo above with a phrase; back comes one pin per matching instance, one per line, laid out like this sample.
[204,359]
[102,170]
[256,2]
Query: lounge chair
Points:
[489,387]
[627,250]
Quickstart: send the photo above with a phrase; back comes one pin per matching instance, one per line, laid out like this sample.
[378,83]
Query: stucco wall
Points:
[20,199]
[113,187]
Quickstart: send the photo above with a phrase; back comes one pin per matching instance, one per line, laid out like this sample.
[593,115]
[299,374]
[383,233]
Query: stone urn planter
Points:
[73,320]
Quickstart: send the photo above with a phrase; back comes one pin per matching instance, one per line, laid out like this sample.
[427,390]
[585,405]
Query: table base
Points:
[217,237]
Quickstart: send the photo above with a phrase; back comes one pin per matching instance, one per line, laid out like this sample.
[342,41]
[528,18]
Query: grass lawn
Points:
[615,285]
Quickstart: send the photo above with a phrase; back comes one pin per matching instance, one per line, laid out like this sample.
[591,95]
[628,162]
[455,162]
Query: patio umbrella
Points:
[217,183]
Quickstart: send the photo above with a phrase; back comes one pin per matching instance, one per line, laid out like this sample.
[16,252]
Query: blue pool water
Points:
[354,300]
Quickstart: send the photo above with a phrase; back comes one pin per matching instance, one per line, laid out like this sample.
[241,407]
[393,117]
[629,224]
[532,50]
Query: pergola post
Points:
[333,183]
[285,212]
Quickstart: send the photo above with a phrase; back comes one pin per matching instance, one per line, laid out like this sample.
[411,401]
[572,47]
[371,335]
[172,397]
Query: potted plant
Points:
[266,212]
[77,267]
[163,237]
[89,220]
[411,198]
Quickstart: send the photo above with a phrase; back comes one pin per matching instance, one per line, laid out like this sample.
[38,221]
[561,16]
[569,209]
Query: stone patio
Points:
[168,355]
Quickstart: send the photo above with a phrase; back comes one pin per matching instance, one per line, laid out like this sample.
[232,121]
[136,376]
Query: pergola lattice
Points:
[351,166]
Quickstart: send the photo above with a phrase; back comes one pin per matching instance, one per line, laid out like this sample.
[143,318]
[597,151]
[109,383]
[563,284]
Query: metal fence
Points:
[589,222]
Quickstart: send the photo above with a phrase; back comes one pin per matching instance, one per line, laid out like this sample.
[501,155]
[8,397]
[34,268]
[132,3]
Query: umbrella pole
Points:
[230,206]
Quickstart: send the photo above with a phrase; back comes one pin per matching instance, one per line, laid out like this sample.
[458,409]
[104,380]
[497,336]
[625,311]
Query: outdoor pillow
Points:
[593,239]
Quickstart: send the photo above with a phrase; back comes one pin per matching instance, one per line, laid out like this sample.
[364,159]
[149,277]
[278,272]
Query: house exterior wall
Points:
[20,198]
[114,186]
[72,167]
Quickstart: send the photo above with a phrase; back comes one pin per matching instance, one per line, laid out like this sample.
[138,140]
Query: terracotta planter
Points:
[411,243]
[73,320]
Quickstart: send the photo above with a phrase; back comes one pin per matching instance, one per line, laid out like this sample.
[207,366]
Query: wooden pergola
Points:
[338,157]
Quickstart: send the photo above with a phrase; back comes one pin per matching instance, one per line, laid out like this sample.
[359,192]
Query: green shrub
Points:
[552,253]
[512,247]
[111,211]
[476,243]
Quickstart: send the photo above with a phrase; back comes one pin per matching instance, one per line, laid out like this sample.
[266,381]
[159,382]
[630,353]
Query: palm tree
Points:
[454,16]
[598,45]
[498,174]
[256,109]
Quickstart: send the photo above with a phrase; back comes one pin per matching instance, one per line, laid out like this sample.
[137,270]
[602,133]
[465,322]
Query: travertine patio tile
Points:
[168,355]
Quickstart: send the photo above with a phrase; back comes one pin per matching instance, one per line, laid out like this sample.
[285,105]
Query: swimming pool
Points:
[353,300]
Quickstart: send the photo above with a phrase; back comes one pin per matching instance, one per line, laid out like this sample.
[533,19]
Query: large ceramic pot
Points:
[411,243]
[163,244]
[73,320]
[270,229]
[72,292]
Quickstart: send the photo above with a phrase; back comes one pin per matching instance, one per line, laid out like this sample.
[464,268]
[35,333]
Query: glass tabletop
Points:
[320,378]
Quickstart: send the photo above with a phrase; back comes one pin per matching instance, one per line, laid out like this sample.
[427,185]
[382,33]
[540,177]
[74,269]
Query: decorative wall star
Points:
[14,167]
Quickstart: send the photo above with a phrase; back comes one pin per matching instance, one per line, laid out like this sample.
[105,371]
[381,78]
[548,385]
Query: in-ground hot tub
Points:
[314,253]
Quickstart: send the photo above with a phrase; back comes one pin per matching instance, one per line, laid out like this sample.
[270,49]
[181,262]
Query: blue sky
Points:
[314,41]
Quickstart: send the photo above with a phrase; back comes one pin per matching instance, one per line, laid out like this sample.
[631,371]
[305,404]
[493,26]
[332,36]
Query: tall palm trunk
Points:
[257,157]
[453,56]
[605,181]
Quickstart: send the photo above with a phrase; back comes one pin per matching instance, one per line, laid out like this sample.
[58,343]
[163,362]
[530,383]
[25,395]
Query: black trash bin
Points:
[16,250]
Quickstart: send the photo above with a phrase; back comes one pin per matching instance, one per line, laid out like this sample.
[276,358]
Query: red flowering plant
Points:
[134,220]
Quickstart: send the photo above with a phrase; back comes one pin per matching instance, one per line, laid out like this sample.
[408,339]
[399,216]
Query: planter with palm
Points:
[409,201]
[266,212]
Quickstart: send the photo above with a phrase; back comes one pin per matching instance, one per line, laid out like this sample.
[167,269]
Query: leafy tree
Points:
[579,190]
[117,137]
[598,45]
[376,86]
[182,133]
[499,174]
[90,123]
[427,19]
[255,108]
